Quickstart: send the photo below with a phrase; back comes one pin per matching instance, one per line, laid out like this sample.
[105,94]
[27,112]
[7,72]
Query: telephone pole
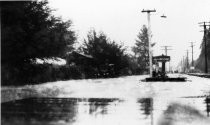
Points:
[187,60]
[166,48]
[205,45]
[192,53]
[184,67]
[149,38]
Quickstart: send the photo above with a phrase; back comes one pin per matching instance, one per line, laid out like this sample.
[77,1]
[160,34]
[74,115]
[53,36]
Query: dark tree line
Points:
[108,55]
[29,31]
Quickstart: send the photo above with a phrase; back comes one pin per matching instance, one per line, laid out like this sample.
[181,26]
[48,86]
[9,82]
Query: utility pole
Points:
[192,53]
[183,67]
[205,45]
[166,48]
[149,38]
[187,61]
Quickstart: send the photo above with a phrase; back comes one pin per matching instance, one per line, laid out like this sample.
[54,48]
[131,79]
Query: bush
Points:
[33,74]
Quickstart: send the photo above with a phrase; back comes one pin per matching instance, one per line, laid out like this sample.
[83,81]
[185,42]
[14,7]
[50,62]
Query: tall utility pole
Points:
[149,38]
[192,53]
[187,60]
[205,44]
[183,64]
[166,48]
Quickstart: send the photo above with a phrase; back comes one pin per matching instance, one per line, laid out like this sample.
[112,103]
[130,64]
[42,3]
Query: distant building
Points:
[53,61]
[85,63]
[78,58]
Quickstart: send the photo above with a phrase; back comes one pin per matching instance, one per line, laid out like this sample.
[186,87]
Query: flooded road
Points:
[117,101]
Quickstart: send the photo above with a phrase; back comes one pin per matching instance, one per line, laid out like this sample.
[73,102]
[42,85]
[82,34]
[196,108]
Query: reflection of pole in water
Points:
[147,107]
[207,105]
[151,111]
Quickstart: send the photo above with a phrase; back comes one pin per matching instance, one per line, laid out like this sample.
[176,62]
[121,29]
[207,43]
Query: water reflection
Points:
[147,108]
[192,112]
[207,101]
[101,111]
[48,110]
[39,110]
[146,105]
[98,106]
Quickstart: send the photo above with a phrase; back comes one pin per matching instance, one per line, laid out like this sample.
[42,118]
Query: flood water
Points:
[123,101]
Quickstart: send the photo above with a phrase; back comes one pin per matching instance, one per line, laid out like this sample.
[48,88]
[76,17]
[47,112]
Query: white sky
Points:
[121,20]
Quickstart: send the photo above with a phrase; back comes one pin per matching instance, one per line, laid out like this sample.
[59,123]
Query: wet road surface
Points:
[118,101]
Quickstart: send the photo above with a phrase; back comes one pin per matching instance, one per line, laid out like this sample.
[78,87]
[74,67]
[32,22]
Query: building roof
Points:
[81,54]
[54,61]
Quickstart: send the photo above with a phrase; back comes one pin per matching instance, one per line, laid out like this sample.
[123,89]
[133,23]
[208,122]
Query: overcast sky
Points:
[121,20]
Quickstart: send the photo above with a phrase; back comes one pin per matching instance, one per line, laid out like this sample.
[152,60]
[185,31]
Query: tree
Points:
[200,62]
[141,50]
[108,54]
[30,31]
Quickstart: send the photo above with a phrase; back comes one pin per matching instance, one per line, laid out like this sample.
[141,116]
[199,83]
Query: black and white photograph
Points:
[105,62]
